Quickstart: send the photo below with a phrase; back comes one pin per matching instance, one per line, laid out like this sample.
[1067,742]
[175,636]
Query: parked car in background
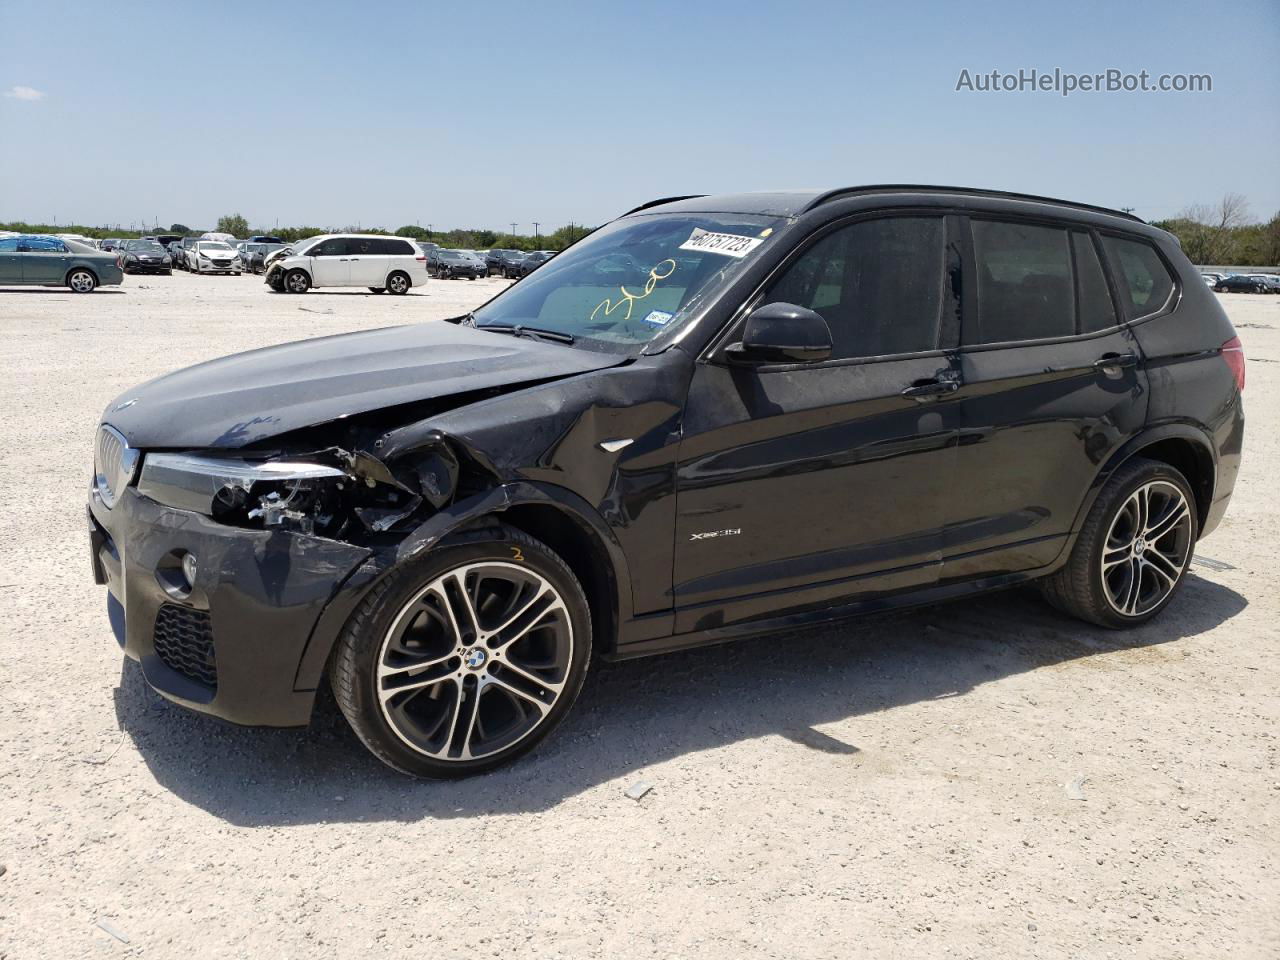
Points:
[1240,284]
[41,260]
[533,261]
[80,239]
[111,243]
[452,264]
[493,258]
[383,264]
[264,238]
[793,408]
[1216,276]
[1270,280]
[509,263]
[256,255]
[1210,278]
[145,256]
[214,256]
[185,246]
[164,239]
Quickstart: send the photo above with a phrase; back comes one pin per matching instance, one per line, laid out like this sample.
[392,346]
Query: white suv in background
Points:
[350,260]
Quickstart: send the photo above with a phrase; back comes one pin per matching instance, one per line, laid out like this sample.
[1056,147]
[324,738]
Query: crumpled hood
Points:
[241,399]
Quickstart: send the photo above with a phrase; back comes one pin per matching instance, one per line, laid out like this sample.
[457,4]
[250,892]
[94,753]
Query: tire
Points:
[377,289]
[1116,543]
[81,280]
[236,273]
[297,281]
[407,618]
[398,283]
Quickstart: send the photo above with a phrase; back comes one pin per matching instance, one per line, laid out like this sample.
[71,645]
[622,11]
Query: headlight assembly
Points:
[297,495]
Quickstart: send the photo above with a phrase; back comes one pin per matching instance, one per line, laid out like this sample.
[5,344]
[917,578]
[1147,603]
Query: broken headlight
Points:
[298,495]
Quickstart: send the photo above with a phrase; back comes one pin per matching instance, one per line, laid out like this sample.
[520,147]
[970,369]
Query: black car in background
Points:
[509,262]
[453,264]
[261,238]
[534,260]
[716,417]
[493,259]
[256,253]
[1240,284]
[144,256]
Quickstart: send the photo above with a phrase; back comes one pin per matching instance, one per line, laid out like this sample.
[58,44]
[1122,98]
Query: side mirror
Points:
[782,333]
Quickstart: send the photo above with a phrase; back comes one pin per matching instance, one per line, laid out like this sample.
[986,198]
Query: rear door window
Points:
[1025,288]
[1146,284]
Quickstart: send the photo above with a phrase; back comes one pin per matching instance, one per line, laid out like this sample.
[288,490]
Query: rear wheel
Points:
[1133,551]
[398,283]
[466,659]
[81,281]
[297,281]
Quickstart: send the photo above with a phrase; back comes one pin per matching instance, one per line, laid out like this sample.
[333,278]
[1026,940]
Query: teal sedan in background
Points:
[54,262]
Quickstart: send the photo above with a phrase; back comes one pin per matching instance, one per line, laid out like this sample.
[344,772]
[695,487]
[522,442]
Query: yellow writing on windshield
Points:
[656,274]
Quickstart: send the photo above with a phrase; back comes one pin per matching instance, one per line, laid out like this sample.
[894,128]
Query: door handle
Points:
[1109,362]
[924,390]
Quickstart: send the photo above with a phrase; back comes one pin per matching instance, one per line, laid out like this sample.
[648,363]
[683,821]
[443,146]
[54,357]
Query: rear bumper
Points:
[232,646]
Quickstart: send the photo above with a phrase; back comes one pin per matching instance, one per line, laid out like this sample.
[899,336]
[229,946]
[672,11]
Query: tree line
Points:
[1223,233]
[474,238]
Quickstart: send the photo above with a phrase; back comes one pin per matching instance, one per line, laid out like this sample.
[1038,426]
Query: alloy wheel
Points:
[1147,548]
[397,284]
[475,661]
[81,281]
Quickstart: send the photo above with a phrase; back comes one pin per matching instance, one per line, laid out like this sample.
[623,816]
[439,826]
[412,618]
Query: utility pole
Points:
[535,233]
[1127,209]
[513,231]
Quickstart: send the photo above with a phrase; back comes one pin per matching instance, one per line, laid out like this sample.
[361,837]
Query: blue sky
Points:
[484,112]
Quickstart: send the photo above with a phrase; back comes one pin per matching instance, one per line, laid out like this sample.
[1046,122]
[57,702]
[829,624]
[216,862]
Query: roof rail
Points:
[998,194]
[662,200]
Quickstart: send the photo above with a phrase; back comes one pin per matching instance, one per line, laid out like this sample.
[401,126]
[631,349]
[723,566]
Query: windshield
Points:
[212,245]
[451,255]
[633,278]
[149,246]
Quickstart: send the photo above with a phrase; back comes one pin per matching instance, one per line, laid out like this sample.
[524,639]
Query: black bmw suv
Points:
[712,418]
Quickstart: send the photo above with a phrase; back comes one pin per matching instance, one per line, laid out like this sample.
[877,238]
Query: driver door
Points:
[330,263]
[810,483]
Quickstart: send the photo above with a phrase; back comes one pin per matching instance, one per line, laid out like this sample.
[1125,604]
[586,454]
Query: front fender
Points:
[438,527]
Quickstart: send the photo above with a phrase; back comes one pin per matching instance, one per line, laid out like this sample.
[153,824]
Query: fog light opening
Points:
[190,567]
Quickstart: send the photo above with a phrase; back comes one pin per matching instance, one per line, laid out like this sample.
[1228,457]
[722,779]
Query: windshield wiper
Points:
[520,330]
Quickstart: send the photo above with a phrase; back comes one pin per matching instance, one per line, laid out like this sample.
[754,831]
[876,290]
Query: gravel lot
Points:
[890,788]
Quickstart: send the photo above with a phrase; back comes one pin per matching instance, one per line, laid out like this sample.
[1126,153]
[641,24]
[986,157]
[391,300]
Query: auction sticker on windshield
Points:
[729,244]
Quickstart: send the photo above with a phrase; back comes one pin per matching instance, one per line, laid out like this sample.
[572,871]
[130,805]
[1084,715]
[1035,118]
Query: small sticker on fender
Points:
[728,244]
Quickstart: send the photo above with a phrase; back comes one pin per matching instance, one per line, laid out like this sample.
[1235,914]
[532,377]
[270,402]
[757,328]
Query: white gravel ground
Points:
[893,788]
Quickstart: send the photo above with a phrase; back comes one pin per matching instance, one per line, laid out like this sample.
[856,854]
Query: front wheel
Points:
[466,659]
[1134,548]
[297,281]
[81,281]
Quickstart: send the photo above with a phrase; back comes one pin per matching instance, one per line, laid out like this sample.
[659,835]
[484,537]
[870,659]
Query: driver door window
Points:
[877,283]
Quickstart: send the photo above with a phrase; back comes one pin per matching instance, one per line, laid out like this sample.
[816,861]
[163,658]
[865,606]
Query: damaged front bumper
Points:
[230,641]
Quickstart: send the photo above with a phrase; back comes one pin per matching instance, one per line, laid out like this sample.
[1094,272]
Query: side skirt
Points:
[833,614]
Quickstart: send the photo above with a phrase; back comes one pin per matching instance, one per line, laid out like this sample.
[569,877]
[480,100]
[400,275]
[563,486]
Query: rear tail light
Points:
[421,259]
[1233,354]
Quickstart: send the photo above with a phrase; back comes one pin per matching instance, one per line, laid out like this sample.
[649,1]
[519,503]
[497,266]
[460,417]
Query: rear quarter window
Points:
[1145,282]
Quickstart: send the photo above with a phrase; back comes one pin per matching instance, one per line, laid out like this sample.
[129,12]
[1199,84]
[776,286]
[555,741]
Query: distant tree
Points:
[413,232]
[233,224]
[181,228]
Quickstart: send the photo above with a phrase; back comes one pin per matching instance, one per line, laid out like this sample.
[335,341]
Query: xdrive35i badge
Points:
[712,534]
